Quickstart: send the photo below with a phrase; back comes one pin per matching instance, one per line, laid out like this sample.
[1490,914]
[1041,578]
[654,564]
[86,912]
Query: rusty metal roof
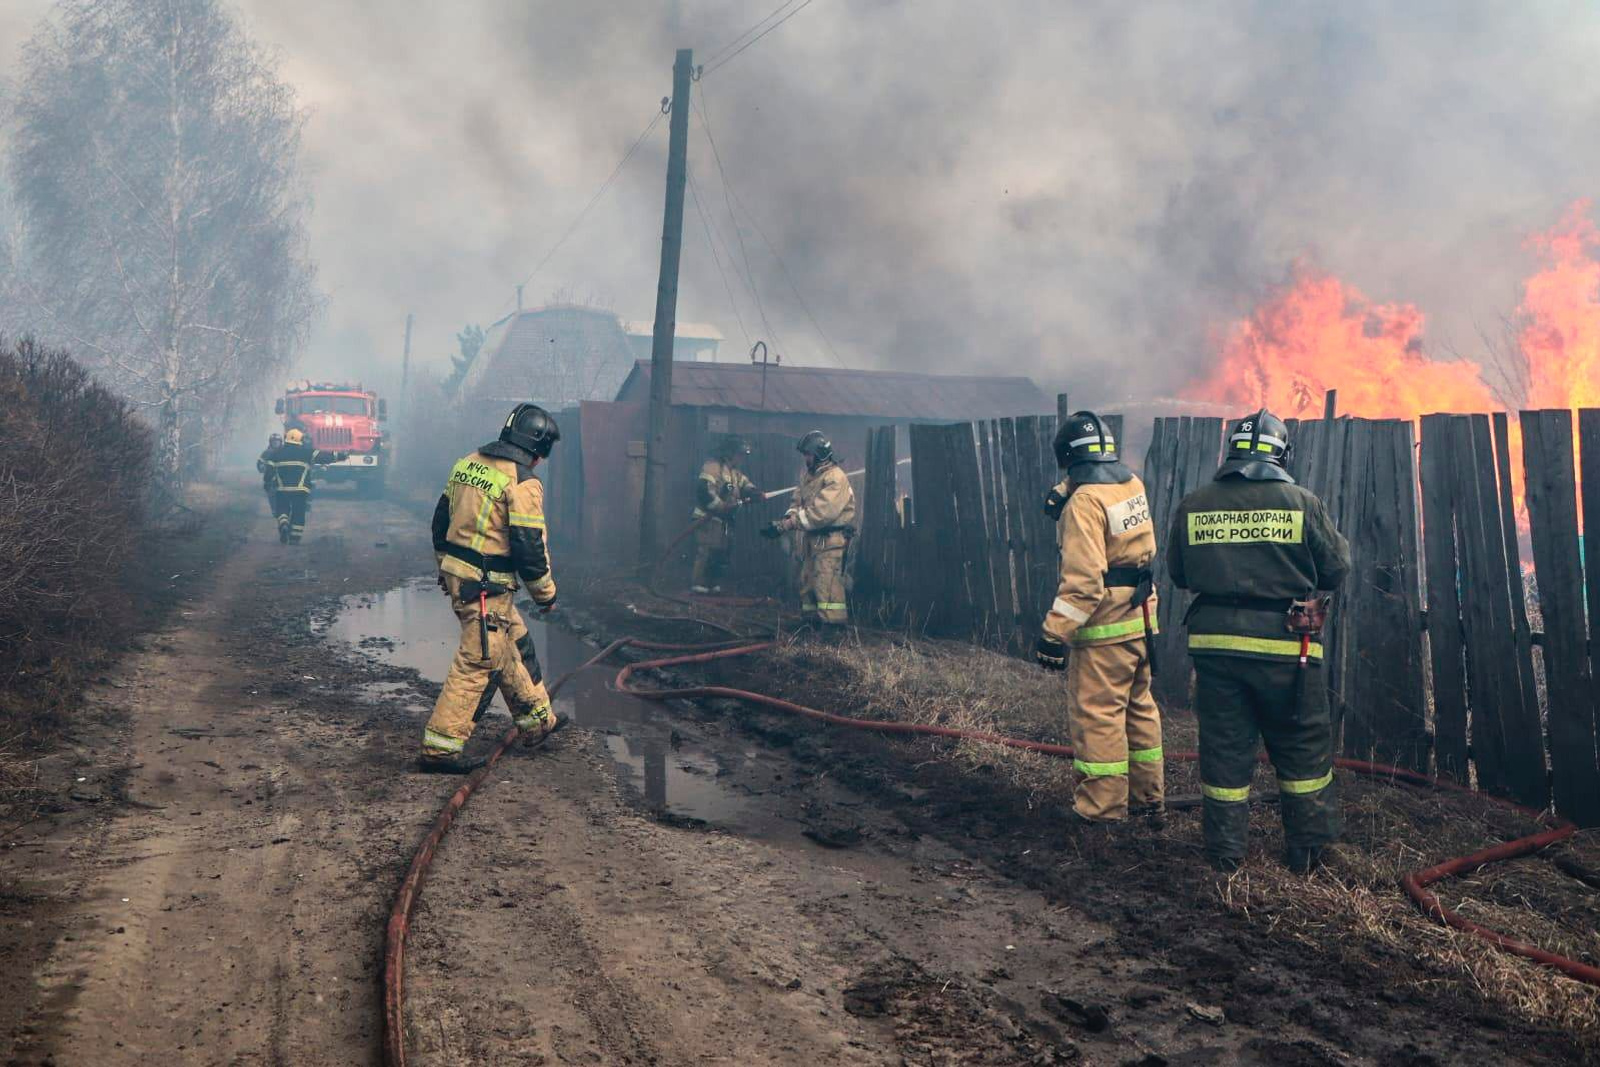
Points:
[832,391]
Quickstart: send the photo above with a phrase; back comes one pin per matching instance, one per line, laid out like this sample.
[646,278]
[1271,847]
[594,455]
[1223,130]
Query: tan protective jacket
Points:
[824,501]
[1102,526]
[489,522]
[720,488]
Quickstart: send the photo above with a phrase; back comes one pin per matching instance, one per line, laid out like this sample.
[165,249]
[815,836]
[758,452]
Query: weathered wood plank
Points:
[972,537]
[1383,645]
[1521,632]
[1017,531]
[1589,447]
[1547,455]
[1440,437]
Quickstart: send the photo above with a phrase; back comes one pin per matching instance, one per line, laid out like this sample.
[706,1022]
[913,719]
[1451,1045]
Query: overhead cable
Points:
[712,68]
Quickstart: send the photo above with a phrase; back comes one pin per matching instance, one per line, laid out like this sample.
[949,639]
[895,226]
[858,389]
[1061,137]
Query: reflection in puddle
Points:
[413,626]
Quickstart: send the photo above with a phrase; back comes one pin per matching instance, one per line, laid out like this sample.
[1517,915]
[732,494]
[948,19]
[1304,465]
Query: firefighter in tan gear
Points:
[488,534]
[1105,610]
[720,491]
[824,516]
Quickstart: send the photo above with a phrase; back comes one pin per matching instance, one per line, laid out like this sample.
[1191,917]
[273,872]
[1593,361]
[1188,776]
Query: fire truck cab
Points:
[341,417]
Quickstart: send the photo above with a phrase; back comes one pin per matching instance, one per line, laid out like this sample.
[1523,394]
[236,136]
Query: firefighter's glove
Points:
[545,609]
[1051,652]
[443,585]
[772,531]
[749,492]
[1054,503]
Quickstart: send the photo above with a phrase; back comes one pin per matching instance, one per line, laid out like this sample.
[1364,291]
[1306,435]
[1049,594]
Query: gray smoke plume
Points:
[1085,192]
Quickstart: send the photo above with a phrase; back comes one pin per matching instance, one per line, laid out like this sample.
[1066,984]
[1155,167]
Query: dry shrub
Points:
[75,476]
[1354,907]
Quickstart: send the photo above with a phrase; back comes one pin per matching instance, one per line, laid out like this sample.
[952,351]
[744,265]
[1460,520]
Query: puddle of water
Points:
[413,626]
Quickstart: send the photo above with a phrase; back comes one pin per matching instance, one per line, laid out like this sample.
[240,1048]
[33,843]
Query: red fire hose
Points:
[1415,883]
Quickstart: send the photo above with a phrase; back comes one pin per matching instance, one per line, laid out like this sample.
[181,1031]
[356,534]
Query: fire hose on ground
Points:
[1415,883]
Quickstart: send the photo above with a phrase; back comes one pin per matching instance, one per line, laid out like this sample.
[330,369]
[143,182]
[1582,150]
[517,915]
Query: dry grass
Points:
[1353,909]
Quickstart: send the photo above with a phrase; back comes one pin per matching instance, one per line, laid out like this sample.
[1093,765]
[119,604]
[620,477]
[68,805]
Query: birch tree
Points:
[154,168]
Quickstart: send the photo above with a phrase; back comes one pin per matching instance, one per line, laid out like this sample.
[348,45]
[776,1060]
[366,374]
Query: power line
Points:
[694,192]
[712,68]
[730,191]
[611,178]
[705,126]
[719,53]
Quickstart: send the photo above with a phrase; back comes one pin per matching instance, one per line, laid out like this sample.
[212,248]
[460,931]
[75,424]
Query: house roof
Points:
[558,354]
[832,391]
[688,331]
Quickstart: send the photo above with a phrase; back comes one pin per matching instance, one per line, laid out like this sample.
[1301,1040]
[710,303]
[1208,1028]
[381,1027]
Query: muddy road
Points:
[210,875]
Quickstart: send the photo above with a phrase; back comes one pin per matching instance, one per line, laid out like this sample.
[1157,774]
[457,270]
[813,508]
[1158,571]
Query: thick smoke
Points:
[1083,192]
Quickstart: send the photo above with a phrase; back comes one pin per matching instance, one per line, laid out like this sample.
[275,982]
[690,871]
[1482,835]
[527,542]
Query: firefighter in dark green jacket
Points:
[1261,555]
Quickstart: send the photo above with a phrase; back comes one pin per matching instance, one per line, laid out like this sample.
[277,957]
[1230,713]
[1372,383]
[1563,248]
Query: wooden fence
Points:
[1439,657]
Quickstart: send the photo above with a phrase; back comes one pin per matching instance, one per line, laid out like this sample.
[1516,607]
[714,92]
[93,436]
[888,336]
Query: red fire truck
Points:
[341,417]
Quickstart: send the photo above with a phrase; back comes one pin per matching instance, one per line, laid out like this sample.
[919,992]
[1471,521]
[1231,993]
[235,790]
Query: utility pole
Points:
[1330,404]
[519,298]
[651,541]
[1063,409]
[405,363]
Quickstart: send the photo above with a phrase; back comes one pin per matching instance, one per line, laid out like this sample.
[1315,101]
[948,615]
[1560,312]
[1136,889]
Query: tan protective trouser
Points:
[472,681]
[1116,729]
[822,578]
[712,541]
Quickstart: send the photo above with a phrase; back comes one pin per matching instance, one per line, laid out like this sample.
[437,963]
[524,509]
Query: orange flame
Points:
[1318,334]
[1560,312]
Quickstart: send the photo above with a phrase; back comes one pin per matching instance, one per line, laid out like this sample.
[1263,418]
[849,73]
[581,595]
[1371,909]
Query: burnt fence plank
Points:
[1553,519]
[1589,450]
[971,530]
[1445,646]
[1521,632]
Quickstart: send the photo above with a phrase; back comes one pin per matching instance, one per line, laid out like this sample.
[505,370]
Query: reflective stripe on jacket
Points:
[824,501]
[1103,526]
[1246,549]
[719,488]
[489,522]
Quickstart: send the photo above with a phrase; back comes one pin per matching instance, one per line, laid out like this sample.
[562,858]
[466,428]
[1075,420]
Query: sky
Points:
[1088,193]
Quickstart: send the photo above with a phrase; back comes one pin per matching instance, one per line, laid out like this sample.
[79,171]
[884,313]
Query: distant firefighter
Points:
[1105,610]
[1262,557]
[720,491]
[290,464]
[823,515]
[488,534]
[264,468]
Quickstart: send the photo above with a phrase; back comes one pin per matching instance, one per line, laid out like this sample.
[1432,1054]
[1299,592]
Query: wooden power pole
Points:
[405,363]
[651,537]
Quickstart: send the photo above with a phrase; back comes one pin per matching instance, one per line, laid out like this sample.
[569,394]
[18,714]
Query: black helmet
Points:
[530,428]
[816,447]
[732,445]
[1258,448]
[1084,438]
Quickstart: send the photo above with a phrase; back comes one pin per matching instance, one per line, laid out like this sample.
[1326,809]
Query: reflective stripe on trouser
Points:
[1116,729]
[1239,701]
[291,511]
[470,686]
[712,542]
[822,578]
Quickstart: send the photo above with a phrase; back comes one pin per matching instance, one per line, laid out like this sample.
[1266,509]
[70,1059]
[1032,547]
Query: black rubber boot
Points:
[1225,864]
[283,533]
[448,764]
[1302,859]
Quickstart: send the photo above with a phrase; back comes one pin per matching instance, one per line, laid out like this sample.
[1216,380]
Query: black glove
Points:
[545,609]
[1054,504]
[772,531]
[1050,652]
[750,492]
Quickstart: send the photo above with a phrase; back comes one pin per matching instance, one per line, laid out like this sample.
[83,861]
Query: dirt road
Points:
[658,886]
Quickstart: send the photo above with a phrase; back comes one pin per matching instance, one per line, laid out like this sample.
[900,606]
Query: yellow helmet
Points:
[294,437]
